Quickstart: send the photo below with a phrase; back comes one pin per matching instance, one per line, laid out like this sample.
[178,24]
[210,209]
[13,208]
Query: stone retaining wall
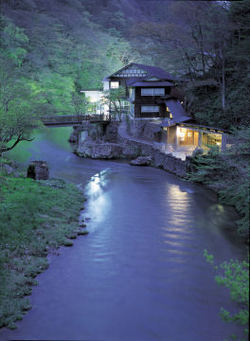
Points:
[130,148]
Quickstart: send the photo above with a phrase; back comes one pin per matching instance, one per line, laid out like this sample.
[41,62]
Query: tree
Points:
[195,36]
[114,98]
[17,117]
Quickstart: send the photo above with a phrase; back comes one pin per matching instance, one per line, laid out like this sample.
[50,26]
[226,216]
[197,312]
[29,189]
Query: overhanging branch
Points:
[19,139]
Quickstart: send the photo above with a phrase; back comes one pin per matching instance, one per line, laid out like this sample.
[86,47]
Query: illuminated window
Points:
[149,108]
[114,85]
[170,115]
[153,92]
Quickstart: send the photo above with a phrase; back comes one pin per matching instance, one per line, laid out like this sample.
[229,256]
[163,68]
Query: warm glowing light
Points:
[180,132]
[114,85]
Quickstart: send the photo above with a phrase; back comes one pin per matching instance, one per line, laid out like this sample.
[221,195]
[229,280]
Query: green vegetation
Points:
[35,218]
[228,174]
[115,97]
[50,50]
[234,275]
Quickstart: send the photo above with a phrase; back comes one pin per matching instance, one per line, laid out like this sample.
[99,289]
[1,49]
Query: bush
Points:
[234,275]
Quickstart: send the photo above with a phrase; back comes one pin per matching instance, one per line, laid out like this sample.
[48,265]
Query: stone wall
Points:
[111,145]
[146,129]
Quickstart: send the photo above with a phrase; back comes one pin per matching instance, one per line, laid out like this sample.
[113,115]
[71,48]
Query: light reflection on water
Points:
[139,274]
[99,202]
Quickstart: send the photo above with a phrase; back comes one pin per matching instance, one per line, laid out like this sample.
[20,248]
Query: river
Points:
[140,274]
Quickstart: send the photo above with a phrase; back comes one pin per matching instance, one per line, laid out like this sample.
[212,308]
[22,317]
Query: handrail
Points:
[75,118]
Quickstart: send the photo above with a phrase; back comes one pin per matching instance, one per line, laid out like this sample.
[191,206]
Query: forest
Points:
[50,50]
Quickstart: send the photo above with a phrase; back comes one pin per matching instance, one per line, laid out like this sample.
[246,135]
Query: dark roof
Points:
[132,80]
[176,109]
[152,71]
[150,84]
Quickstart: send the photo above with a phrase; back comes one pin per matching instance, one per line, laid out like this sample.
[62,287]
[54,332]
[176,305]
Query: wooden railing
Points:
[74,119]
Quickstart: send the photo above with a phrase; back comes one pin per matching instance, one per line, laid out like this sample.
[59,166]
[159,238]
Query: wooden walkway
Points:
[70,120]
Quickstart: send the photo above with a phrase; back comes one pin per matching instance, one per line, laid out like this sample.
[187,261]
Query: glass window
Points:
[153,92]
[150,108]
[114,85]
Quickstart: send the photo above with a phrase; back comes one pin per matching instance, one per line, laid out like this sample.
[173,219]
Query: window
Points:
[114,85]
[153,92]
[150,108]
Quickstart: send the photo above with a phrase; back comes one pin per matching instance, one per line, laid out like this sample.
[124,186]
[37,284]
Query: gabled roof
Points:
[151,71]
[154,71]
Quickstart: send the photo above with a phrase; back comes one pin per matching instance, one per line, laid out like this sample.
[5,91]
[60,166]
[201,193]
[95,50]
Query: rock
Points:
[68,243]
[38,170]
[141,161]
[82,233]
[72,236]
[100,150]
[111,132]
[74,137]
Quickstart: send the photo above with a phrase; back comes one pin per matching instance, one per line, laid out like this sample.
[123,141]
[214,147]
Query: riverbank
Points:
[37,217]
[114,142]
[226,173]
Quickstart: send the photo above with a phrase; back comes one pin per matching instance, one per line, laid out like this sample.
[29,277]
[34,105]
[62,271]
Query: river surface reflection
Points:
[140,274]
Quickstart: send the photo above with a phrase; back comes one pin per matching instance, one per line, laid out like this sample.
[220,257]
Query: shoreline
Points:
[55,210]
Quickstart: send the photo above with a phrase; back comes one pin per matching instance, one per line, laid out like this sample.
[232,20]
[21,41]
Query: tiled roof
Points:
[155,71]
[152,71]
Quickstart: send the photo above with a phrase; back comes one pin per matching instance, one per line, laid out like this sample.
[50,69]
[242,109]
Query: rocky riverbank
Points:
[113,142]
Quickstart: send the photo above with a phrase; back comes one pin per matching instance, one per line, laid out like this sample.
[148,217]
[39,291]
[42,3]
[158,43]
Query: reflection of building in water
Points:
[192,135]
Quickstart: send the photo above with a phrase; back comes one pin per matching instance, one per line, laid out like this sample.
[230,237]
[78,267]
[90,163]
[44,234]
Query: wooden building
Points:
[150,92]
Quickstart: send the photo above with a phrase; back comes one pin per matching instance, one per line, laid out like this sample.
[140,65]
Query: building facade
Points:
[150,91]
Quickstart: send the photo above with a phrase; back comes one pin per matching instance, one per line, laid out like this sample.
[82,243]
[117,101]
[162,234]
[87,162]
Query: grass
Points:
[35,217]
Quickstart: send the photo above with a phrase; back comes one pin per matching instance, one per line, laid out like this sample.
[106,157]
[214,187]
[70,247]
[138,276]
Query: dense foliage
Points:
[50,50]
[228,174]
[62,47]
[234,275]
[34,219]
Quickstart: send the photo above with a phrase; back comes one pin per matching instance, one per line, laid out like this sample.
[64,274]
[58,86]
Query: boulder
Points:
[100,150]
[38,170]
[141,161]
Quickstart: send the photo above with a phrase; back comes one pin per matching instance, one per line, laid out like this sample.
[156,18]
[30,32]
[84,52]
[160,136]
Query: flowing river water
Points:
[140,274]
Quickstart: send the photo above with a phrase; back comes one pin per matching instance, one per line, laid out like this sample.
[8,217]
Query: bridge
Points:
[70,120]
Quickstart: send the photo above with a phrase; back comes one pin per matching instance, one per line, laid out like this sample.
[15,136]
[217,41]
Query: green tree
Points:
[17,117]
[115,98]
